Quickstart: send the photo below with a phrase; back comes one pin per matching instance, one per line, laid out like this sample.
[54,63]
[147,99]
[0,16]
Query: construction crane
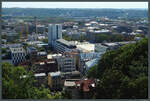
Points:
[21,30]
[35,23]
[27,30]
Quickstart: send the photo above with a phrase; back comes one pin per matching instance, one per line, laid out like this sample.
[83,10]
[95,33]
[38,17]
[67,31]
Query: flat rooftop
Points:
[86,47]
[66,43]
[111,44]
[70,82]
[14,45]
[40,74]
[55,73]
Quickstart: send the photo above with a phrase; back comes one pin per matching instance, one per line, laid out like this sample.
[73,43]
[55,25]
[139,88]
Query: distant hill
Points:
[62,12]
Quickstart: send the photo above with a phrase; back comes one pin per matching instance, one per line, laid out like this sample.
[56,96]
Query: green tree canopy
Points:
[123,73]
[14,86]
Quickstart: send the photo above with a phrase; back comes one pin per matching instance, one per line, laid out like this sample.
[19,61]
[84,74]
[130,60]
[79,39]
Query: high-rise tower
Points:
[54,33]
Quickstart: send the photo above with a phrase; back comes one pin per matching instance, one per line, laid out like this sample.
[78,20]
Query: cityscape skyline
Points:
[115,5]
[74,53]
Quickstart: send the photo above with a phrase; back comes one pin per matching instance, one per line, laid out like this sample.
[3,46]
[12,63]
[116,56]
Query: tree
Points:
[45,40]
[82,38]
[123,73]
[92,72]
[67,37]
[15,86]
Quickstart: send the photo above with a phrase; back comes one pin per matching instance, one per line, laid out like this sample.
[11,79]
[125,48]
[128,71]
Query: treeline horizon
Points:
[77,12]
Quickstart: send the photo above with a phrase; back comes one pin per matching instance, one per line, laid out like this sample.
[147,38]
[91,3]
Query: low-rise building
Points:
[100,48]
[54,81]
[91,63]
[111,46]
[46,66]
[62,46]
[41,79]
[66,63]
[71,75]
[42,53]
[31,52]
[86,88]
[86,47]
[70,87]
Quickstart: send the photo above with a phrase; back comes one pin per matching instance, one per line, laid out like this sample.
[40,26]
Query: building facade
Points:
[54,81]
[62,46]
[18,54]
[66,64]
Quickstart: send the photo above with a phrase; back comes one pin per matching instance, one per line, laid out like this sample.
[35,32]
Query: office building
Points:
[17,54]
[66,64]
[54,33]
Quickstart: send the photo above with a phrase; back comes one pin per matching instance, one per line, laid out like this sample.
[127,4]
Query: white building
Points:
[86,47]
[17,54]
[54,33]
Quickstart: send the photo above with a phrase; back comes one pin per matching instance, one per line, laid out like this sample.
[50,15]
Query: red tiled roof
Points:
[86,84]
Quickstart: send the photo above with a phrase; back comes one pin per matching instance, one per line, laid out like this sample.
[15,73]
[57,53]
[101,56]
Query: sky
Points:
[125,5]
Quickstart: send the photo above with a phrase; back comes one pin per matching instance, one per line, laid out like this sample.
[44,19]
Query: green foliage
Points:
[4,50]
[27,45]
[14,86]
[92,72]
[139,35]
[123,73]
[80,38]
[45,40]
[111,38]
[67,37]
[4,36]
[58,95]
[66,95]
[40,48]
